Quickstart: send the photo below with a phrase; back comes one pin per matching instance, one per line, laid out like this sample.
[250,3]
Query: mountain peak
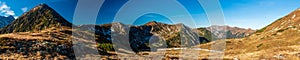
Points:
[117,23]
[10,17]
[225,31]
[42,5]
[40,17]
[5,20]
[152,23]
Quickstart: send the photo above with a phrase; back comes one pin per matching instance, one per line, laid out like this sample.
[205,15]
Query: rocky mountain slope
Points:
[53,44]
[39,18]
[230,32]
[5,20]
[277,41]
[47,44]
[205,33]
[152,34]
[42,33]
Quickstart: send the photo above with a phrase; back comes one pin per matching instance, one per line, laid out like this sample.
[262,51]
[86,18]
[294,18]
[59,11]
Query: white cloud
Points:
[5,10]
[24,9]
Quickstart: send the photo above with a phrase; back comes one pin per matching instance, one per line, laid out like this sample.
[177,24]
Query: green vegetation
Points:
[174,42]
[263,29]
[228,42]
[274,34]
[207,34]
[259,45]
[106,46]
[281,30]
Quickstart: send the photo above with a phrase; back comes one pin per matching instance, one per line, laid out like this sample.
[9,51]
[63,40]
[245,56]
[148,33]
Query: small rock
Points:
[280,56]
[25,56]
[235,58]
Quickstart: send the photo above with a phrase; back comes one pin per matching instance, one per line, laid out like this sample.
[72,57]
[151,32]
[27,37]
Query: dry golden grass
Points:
[286,45]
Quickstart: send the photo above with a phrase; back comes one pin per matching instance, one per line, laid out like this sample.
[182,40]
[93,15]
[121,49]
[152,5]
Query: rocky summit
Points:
[39,18]
[40,33]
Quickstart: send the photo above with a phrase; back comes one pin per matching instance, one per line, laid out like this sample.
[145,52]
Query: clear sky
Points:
[253,14]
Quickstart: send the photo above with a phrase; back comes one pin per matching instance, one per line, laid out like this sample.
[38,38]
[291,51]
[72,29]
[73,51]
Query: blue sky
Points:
[253,14]
[63,7]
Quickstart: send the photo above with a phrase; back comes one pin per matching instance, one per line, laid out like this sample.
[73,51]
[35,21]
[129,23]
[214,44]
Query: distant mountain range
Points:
[45,30]
[46,26]
[229,32]
[277,41]
[5,20]
[141,37]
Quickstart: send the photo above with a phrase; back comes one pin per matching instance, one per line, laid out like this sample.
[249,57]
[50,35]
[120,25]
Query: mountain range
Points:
[230,32]
[43,34]
[5,20]
[277,41]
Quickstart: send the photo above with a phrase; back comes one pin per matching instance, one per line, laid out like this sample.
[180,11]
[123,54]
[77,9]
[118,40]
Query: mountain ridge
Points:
[140,36]
[5,20]
[278,40]
[230,32]
[38,18]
